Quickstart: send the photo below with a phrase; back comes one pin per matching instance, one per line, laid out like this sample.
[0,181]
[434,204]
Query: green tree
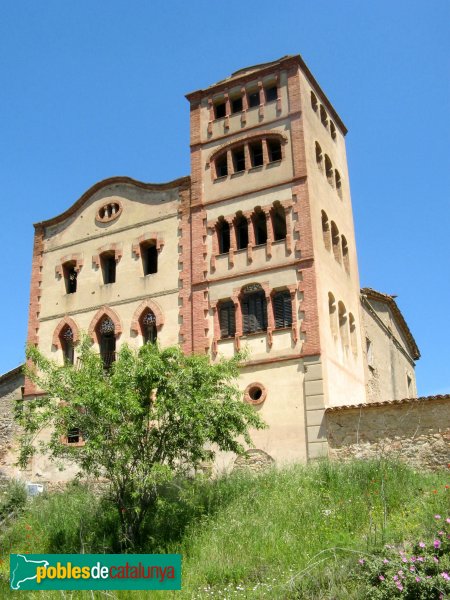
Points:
[155,414]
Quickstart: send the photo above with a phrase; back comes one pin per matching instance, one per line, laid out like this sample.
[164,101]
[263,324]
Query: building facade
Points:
[256,250]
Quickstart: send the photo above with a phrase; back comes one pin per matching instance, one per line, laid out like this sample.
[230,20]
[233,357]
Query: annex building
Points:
[255,249]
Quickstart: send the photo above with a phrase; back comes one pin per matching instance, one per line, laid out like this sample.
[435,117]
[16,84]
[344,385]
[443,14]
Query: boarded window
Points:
[227,319]
[282,309]
[254,312]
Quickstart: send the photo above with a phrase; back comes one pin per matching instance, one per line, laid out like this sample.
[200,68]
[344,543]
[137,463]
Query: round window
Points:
[255,393]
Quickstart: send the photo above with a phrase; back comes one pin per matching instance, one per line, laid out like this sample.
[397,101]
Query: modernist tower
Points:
[255,250]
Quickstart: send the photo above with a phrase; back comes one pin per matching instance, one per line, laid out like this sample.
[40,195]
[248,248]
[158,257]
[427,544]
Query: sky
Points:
[95,88]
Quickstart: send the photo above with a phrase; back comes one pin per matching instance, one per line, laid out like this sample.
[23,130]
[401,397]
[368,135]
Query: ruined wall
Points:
[416,431]
[10,391]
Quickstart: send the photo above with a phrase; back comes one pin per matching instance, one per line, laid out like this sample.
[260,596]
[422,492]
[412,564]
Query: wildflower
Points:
[395,578]
[412,569]
[27,526]
[440,533]
[445,575]
[413,559]
[400,587]
[421,544]
[435,558]
[380,577]
[361,561]
[385,561]
[437,543]
[418,579]
[437,516]
[404,559]
[434,491]
[420,558]
[447,520]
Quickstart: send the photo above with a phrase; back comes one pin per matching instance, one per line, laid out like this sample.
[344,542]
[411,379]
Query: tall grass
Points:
[292,533]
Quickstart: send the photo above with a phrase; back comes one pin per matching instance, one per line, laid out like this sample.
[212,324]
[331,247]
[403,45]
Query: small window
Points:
[274,148]
[314,104]
[333,130]
[343,326]
[345,254]
[239,160]
[236,105]
[223,234]
[256,153]
[323,116]
[227,319]
[241,226]
[254,312]
[352,324]
[108,262]
[271,93]
[332,314]
[74,436]
[335,240]
[253,99]
[279,222]
[260,227]
[282,309]
[70,278]
[369,352]
[66,339]
[319,156]
[338,182]
[328,169]
[409,386]
[220,110]
[326,231]
[222,166]
[148,327]
[149,254]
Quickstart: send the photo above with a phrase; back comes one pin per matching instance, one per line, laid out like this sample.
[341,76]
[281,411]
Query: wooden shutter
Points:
[227,320]
[282,309]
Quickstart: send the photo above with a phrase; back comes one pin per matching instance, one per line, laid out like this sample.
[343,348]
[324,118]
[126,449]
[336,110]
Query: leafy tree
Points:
[155,414]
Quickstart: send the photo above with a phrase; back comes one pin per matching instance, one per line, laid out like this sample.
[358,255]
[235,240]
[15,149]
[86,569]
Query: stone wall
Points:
[10,391]
[416,431]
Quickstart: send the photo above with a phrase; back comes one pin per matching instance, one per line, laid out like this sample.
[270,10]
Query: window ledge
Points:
[256,169]
[253,333]
[237,174]
[273,163]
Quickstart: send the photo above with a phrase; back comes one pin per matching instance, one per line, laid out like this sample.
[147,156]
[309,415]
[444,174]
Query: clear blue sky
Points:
[91,89]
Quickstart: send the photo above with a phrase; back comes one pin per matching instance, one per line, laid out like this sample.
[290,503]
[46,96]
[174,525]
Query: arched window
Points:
[345,254]
[107,340]
[343,326]
[254,309]
[66,339]
[329,169]
[278,222]
[241,228]
[332,314]
[314,104]
[260,227]
[338,182]
[335,240]
[351,321]
[323,116]
[333,130]
[70,277]
[227,319]
[223,235]
[148,327]
[319,156]
[282,309]
[326,231]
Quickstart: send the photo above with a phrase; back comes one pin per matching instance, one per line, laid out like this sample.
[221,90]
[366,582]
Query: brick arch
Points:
[135,324]
[73,326]
[102,312]
[250,137]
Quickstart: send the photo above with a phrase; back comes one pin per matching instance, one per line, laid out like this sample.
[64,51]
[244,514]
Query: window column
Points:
[251,236]
[216,335]
[270,319]
[227,110]
[261,100]
[211,115]
[265,152]
[293,292]
[287,212]
[248,162]
[269,228]
[230,167]
[238,315]
[244,106]
[233,241]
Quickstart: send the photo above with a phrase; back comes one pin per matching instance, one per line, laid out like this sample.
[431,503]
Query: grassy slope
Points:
[295,533]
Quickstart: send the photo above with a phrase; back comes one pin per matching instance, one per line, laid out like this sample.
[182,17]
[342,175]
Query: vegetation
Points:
[297,533]
[153,415]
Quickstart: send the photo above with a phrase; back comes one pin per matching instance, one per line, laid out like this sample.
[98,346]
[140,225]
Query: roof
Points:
[182,182]
[389,402]
[389,300]
[265,68]
[9,374]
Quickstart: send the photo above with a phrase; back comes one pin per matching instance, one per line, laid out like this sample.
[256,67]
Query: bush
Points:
[12,500]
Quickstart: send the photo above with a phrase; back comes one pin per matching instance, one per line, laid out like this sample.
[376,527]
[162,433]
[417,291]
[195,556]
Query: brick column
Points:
[248,162]
[230,162]
[238,318]
[244,106]
[251,235]
[265,152]
[233,241]
[270,320]
[216,332]
[269,233]
[211,115]
[287,213]
[261,100]
[293,292]
[227,110]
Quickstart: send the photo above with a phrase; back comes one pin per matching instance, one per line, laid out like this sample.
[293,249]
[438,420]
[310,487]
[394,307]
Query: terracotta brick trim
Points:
[67,321]
[76,259]
[146,238]
[250,389]
[143,306]
[115,249]
[102,312]
[247,138]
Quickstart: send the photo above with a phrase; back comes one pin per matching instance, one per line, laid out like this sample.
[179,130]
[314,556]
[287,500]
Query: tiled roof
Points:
[11,373]
[389,300]
[389,402]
